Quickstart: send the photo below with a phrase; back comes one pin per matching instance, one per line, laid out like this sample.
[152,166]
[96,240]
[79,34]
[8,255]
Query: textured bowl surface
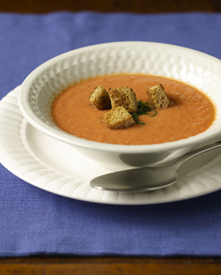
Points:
[197,69]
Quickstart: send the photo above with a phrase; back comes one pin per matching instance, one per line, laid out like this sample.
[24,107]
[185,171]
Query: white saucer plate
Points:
[58,168]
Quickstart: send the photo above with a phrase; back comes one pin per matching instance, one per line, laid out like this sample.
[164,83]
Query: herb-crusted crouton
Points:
[117,118]
[100,99]
[158,97]
[125,97]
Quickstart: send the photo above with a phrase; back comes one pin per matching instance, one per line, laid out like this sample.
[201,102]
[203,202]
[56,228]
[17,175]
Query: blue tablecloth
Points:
[33,221]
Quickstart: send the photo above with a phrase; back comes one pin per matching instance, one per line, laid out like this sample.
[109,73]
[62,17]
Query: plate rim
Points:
[6,162]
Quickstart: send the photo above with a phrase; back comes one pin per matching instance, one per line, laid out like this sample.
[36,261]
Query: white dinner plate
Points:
[58,168]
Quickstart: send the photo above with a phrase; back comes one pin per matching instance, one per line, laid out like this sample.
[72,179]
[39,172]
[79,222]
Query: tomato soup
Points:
[190,112]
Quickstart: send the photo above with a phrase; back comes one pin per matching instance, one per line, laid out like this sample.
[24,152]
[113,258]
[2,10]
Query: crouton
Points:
[158,97]
[100,99]
[125,97]
[117,118]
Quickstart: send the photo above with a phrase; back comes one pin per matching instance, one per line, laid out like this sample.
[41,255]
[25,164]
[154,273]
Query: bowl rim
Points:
[28,114]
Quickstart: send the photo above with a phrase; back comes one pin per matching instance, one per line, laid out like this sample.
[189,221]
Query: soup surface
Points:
[190,112]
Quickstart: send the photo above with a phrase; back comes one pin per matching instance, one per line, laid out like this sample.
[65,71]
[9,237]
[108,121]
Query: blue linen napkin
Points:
[33,221]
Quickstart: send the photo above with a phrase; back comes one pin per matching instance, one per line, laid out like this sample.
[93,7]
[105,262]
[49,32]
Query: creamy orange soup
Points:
[190,111]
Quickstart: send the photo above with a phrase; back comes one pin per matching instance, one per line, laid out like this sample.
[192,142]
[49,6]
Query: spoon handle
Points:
[195,160]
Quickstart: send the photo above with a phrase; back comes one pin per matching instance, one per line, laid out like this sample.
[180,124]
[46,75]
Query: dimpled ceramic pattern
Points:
[18,157]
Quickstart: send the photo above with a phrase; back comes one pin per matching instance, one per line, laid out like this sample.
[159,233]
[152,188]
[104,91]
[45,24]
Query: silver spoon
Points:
[152,178]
